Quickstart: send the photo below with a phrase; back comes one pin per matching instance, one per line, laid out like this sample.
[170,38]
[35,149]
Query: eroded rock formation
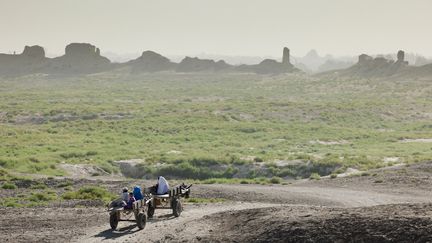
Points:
[34,52]
[151,61]
[286,56]
[270,66]
[31,60]
[80,58]
[401,58]
[194,64]
[84,58]
[81,50]
[380,66]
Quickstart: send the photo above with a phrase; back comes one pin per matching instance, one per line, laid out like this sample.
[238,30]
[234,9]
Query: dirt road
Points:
[196,219]
[391,206]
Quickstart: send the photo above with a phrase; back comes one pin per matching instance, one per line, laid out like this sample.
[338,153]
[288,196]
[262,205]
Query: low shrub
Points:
[258,159]
[10,202]
[315,176]
[72,155]
[90,193]
[65,184]
[275,180]
[3,172]
[42,197]
[9,186]
[108,168]
[365,174]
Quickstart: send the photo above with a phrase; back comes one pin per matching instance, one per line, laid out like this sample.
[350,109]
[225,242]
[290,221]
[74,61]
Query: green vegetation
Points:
[9,186]
[4,175]
[43,196]
[315,176]
[65,184]
[365,174]
[275,180]
[38,186]
[90,193]
[32,200]
[211,126]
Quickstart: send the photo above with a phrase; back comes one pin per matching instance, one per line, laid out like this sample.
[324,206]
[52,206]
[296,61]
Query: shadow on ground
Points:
[130,229]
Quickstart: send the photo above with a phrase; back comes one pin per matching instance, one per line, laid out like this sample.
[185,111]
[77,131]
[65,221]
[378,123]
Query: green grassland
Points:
[203,126]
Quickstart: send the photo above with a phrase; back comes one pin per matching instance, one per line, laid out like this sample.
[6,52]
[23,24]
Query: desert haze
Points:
[215,121]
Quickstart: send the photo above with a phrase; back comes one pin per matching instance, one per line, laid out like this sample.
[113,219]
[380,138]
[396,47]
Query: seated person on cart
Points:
[161,187]
[130,201]
[125,194]
[137,193]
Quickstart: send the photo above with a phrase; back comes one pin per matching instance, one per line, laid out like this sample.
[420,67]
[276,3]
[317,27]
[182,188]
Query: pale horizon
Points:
[240,28]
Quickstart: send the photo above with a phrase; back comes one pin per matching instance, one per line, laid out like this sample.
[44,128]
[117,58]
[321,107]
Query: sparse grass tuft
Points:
[90,193]
[365,174]
[275,180]
[9,186]
[65,184]
[42,197]
[315,176]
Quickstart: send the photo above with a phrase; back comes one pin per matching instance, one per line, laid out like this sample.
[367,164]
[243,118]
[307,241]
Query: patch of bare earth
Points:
[386,223]
[417,140]
[339,142]
[47,224]
[383,205]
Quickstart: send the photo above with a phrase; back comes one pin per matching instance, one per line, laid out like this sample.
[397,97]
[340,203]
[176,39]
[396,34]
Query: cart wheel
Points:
[141,220]
[150,211]
[114,219]
[176,207]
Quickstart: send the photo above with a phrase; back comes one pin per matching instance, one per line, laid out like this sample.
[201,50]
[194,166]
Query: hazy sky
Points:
[231,27]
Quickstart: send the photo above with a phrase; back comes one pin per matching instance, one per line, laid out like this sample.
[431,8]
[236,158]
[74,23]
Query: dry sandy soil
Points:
[388,205]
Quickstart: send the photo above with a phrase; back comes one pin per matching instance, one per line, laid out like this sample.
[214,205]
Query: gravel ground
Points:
[387,205]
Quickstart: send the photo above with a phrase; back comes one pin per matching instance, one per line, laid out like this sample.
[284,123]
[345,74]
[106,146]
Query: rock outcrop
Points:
[194,64]
[34,52]
[401,58]
[84,58]
[31,60]
[151,61]
[369,67]
[80,58]
[270,66]
[364,59]
[81,49]
[286,56]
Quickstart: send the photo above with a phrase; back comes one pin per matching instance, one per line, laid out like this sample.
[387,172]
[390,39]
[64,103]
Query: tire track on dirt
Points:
[164,227]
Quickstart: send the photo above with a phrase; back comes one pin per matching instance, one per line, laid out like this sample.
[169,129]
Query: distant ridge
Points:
[84,58]
[380,67]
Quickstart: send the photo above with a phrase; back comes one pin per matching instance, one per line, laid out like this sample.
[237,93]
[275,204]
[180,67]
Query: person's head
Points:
[130,194]
[125,189]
